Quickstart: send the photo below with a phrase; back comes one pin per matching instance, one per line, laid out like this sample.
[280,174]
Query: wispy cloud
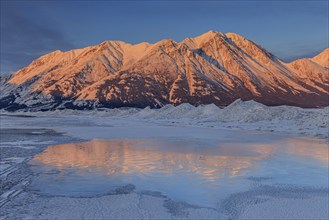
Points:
[23,39]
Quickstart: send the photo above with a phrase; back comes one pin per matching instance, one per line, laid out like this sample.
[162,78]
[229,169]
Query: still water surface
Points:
[194,171]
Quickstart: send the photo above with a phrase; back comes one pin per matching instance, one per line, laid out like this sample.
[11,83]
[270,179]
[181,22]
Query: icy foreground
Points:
[25,134]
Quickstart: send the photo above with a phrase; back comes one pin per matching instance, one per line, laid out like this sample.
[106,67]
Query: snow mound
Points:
[240,114]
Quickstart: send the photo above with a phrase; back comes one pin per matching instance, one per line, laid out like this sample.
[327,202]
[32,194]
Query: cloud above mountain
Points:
[24,39]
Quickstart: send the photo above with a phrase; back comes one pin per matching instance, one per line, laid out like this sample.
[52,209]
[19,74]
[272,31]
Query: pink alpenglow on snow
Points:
[211,68]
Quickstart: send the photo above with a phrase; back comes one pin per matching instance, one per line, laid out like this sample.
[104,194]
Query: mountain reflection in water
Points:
[199,172]
[123,156]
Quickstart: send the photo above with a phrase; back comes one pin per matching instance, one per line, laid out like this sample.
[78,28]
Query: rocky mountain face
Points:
[212,68]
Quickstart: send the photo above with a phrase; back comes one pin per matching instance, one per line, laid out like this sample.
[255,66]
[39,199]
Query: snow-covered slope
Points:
[311,73]
[211,68]
[322,58]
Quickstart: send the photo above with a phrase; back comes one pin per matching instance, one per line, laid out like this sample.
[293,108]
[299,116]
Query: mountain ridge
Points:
[211,68]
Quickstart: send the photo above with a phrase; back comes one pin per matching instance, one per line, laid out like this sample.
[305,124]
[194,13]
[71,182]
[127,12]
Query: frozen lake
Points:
[120,164]
[196,171]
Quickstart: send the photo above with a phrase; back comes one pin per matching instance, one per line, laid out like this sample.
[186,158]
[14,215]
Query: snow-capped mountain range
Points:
[211,68]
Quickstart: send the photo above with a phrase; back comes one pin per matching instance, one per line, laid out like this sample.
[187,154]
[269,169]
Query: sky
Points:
[29,29]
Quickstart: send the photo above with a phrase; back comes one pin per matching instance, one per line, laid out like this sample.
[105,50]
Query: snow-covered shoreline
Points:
[240,115]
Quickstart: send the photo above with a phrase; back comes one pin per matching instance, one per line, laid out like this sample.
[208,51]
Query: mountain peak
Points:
[234,35]
[238,39]
[322,58]
[210,68]
[166,42]
[208,35]
[197,41]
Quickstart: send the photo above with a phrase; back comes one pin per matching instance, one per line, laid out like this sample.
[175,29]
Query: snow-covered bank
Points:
[304,205]
[278,202]
[310,208]
[239,115]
